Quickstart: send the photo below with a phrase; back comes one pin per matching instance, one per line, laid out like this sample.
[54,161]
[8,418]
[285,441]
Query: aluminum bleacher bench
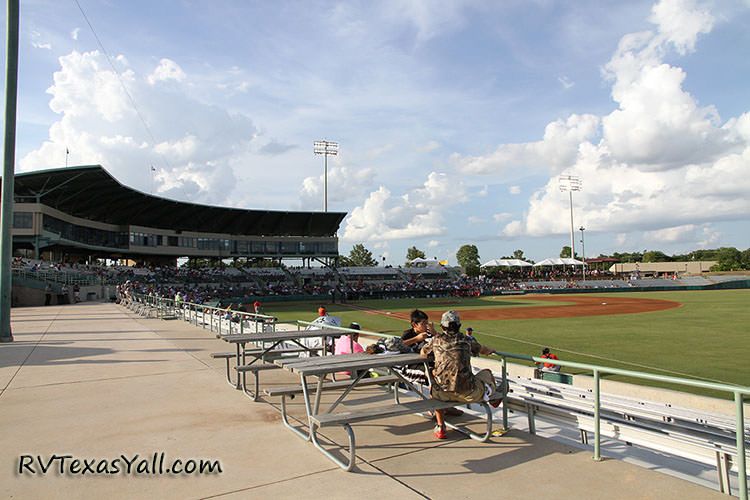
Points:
[347,418]
[253,352]
[291,391]
[699,437]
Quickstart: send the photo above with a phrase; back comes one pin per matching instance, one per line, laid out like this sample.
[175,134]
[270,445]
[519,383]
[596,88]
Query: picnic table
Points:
[359,365]
[268,342]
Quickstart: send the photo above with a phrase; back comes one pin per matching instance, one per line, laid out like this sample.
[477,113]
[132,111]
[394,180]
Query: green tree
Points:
[360,256]
[565,252]
[518,254]
[745,259]
[656,256]
[730,259]
[468,258]
[412,253]
[628,257]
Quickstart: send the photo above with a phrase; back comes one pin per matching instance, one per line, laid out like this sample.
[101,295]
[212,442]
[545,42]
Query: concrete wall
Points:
[32,296]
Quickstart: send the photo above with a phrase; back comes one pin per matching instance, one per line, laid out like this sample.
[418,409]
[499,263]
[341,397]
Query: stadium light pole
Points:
[325,148]
[570,183]
[583,252]
[9,161]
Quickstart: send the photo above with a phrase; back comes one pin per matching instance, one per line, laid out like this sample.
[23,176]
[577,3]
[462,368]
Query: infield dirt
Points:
[566,306]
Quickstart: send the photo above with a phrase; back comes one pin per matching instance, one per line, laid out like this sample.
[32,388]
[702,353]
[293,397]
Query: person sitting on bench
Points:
[549,367]
[452,377]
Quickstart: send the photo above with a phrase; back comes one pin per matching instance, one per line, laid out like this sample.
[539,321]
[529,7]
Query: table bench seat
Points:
[293,390]
[347,418]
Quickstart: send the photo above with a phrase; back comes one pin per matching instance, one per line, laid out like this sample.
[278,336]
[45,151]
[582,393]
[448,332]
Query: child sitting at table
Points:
[345,345]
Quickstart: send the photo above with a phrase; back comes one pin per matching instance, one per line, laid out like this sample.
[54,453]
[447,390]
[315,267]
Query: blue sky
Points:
[455,118]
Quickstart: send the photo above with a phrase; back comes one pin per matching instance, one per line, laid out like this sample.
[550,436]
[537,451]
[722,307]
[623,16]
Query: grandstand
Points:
[78,213]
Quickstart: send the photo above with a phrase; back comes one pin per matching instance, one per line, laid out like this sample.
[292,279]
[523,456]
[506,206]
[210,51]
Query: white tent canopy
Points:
[559,262]
[506,263]
[420,260]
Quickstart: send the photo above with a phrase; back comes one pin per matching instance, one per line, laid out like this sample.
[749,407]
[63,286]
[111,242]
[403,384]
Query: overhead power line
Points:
[122,83]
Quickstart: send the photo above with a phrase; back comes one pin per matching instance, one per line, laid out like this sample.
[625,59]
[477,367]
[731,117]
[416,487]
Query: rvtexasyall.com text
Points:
[150,465]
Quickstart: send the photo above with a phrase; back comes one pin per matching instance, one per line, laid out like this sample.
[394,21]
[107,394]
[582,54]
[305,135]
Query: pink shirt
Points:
[343,346]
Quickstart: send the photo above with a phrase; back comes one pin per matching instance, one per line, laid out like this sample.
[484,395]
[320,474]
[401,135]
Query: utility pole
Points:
[9,162]
[583,252]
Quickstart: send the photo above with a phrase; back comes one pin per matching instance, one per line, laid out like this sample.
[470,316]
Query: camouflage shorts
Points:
[484,378]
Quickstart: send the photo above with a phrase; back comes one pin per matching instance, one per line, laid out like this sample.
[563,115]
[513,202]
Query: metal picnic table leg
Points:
[239,363]
[313,436]
[254,395]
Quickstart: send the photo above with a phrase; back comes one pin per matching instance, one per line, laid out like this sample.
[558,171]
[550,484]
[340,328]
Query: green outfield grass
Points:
[706,338]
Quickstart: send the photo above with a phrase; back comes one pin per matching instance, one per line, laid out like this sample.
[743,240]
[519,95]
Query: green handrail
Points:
[738,391]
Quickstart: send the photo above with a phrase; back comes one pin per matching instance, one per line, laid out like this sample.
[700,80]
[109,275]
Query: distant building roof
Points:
[90,192]
[691,267]
[602,260]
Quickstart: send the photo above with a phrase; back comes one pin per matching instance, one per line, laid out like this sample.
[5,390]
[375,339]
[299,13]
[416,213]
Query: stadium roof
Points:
[90,192]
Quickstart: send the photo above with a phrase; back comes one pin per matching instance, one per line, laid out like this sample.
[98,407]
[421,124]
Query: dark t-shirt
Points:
[410,334]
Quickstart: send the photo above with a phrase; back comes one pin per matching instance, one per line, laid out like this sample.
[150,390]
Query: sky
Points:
[455,119]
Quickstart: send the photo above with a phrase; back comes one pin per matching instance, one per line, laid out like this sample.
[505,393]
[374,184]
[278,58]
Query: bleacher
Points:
[694,281]
[699,436]
[653,282]
[430,272]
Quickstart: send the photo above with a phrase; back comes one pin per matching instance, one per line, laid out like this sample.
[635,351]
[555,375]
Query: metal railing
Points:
[201,315]
[60,277]
[739,393]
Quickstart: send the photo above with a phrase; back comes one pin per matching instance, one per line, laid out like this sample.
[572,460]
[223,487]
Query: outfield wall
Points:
[727,285]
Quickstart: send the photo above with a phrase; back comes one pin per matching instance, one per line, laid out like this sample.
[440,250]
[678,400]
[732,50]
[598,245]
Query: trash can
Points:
[560,378]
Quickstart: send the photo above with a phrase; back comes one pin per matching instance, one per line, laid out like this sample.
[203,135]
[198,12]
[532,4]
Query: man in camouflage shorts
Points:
[453,379]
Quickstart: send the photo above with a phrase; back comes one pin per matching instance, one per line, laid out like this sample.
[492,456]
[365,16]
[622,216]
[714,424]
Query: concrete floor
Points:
[95,381]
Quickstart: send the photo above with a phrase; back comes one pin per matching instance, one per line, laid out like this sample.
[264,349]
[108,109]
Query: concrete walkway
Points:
[95,381]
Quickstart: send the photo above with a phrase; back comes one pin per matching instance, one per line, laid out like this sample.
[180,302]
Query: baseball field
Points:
[689,334]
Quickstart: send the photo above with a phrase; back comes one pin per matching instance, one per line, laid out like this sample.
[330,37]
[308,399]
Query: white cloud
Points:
[433,243]
[429,147]
[502,216]
[704,234]
[274,147]
[344,183]
[662,162]
[680,22]
[514,189]
[74,34]
[418,213]
[675,234]
[430,18]
[195,155]
[473,219]
[166,70]
[565,82]
[37,43]
[555,152]
[483,192]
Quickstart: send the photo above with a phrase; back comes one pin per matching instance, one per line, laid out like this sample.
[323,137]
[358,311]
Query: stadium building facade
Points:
[79,212]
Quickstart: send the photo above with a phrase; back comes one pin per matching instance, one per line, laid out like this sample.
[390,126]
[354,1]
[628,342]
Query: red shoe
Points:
[440,432]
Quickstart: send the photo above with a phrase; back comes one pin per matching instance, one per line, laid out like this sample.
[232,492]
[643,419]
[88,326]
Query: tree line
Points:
[467,256]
